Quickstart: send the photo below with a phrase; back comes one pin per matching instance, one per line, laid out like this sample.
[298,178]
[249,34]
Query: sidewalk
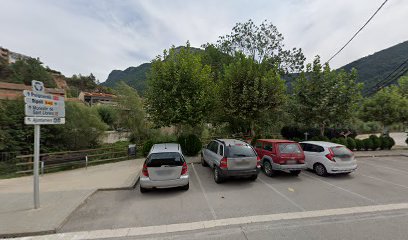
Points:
[60,194]
[381,153]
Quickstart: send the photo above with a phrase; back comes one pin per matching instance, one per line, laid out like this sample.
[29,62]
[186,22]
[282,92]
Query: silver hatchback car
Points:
[164,167]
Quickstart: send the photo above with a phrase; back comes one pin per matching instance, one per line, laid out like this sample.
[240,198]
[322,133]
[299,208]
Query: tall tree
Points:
[180,89]
[262,43]
[249,89]
[323,97]
[23,71]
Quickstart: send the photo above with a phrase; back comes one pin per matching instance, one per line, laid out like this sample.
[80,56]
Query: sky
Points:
[98,36]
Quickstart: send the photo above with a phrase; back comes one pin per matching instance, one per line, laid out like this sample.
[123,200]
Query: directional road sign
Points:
[44,102]
[42,95]
[34,110]
[43,120]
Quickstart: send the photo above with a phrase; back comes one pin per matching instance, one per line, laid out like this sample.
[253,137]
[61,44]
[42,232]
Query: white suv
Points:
[165,167]
[326,157]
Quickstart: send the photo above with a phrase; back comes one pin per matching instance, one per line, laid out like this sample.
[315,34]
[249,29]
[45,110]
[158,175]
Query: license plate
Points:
[291,162]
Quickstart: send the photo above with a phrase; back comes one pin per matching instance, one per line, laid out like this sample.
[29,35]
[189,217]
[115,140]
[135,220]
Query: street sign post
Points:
[40,109]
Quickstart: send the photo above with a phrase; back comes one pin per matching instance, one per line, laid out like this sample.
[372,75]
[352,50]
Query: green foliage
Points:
[131,112]
[342,141]
[403,86]
[263,43]
[351,144]
[155,139]
[78,83]
[406,141]
[248,90]
[324,97]
[190,144]
[385,142]
[216,59]
[359,144]
[387,106]
[320,138]
[376,142]
[109,115]
[180,89]
[391,142]
[334,140]
[367,127]
[297,139]
[23,71]
[367,144]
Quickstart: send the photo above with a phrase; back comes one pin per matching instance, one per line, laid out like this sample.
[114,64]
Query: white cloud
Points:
[99,36]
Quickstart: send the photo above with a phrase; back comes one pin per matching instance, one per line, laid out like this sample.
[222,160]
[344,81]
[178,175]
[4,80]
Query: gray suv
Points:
[231,158]
[164,167]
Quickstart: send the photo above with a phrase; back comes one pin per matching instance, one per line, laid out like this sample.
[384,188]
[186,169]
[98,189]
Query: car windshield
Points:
[240,151]
[289,148]
[341,151]
[167,158]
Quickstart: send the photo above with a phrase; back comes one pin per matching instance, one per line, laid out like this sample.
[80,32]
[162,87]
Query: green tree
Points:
[387,106]
[403,86]
[180,89]
[131,112]
[262,43]
[248,91]
[109,115]
[324,97]
[23,71]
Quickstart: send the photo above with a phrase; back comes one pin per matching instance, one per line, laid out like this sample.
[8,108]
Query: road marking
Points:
[291,189]
[180,227]
[389,168]
[204,193]
[385,181]
[343,189]
[282,195]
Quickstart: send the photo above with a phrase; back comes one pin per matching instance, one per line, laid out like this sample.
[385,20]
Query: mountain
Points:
[371,69]
[377,67]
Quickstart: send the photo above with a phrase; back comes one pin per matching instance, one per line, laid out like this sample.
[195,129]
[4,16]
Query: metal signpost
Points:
[40,109]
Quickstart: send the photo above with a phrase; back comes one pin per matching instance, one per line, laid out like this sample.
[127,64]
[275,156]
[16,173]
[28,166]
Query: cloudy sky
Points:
[84,36]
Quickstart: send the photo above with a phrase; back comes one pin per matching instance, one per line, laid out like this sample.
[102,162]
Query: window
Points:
[213,147]
[268,147]
[165,158]
[258,144]
[239,151]
[341,152]
[307,147]
[221,151]
[289,148]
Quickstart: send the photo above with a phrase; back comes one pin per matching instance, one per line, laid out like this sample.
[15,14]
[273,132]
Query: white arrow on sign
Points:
[33,110]
[43,95]
[44,120]
[44,102]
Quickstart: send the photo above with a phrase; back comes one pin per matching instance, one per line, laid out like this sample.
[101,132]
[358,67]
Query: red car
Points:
[280,155]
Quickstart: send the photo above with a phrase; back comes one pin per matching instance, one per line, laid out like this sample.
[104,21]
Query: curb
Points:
[83,201]
[385,155]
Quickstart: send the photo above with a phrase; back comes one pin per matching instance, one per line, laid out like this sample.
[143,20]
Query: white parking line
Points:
[204,193]
[385,181]
[180,227]
[282,195]
[389,168]
[338,187]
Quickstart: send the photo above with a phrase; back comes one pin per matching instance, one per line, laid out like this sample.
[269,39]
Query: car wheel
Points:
[295,172]
[320,169]
[203,162]
[268,169]
[143,190]
[217,176]
[186,187]
[253,177]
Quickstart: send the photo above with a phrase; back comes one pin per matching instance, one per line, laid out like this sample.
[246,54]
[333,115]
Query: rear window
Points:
[341,152]
[240,151]
[289,148]
[168,158]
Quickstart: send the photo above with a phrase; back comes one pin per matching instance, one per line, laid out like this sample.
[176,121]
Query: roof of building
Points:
[95,94]
[166,147]
[323,144]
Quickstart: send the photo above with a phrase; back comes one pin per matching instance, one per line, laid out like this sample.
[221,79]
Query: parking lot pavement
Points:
[371,184]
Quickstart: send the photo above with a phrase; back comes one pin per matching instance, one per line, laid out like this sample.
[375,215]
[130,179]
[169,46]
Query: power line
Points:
[372,16]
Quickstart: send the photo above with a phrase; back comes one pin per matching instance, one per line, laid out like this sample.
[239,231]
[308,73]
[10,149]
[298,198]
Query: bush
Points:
[334,140]
[190,144]
[391,142]
[376,142]
[359,144]
[406,141]
[384,142]
[342,141]
[367,144]
[297,139]
[351,144]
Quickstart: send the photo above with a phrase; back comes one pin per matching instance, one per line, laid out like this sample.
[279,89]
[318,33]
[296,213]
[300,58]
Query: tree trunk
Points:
[322,130]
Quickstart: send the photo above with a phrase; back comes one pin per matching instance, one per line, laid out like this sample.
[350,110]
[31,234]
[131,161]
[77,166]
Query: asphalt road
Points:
[376,182]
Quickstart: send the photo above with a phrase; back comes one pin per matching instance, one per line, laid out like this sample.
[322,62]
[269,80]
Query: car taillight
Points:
[330,156]
[144,170]
[223,163]
[184,170]
[258,162]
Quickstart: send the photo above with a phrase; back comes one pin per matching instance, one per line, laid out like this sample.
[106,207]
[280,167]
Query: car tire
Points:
[253,177]
[143,190]
[203,162]
[295,172]
[186,187]
[217,176]
[267,167]
[320,169]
